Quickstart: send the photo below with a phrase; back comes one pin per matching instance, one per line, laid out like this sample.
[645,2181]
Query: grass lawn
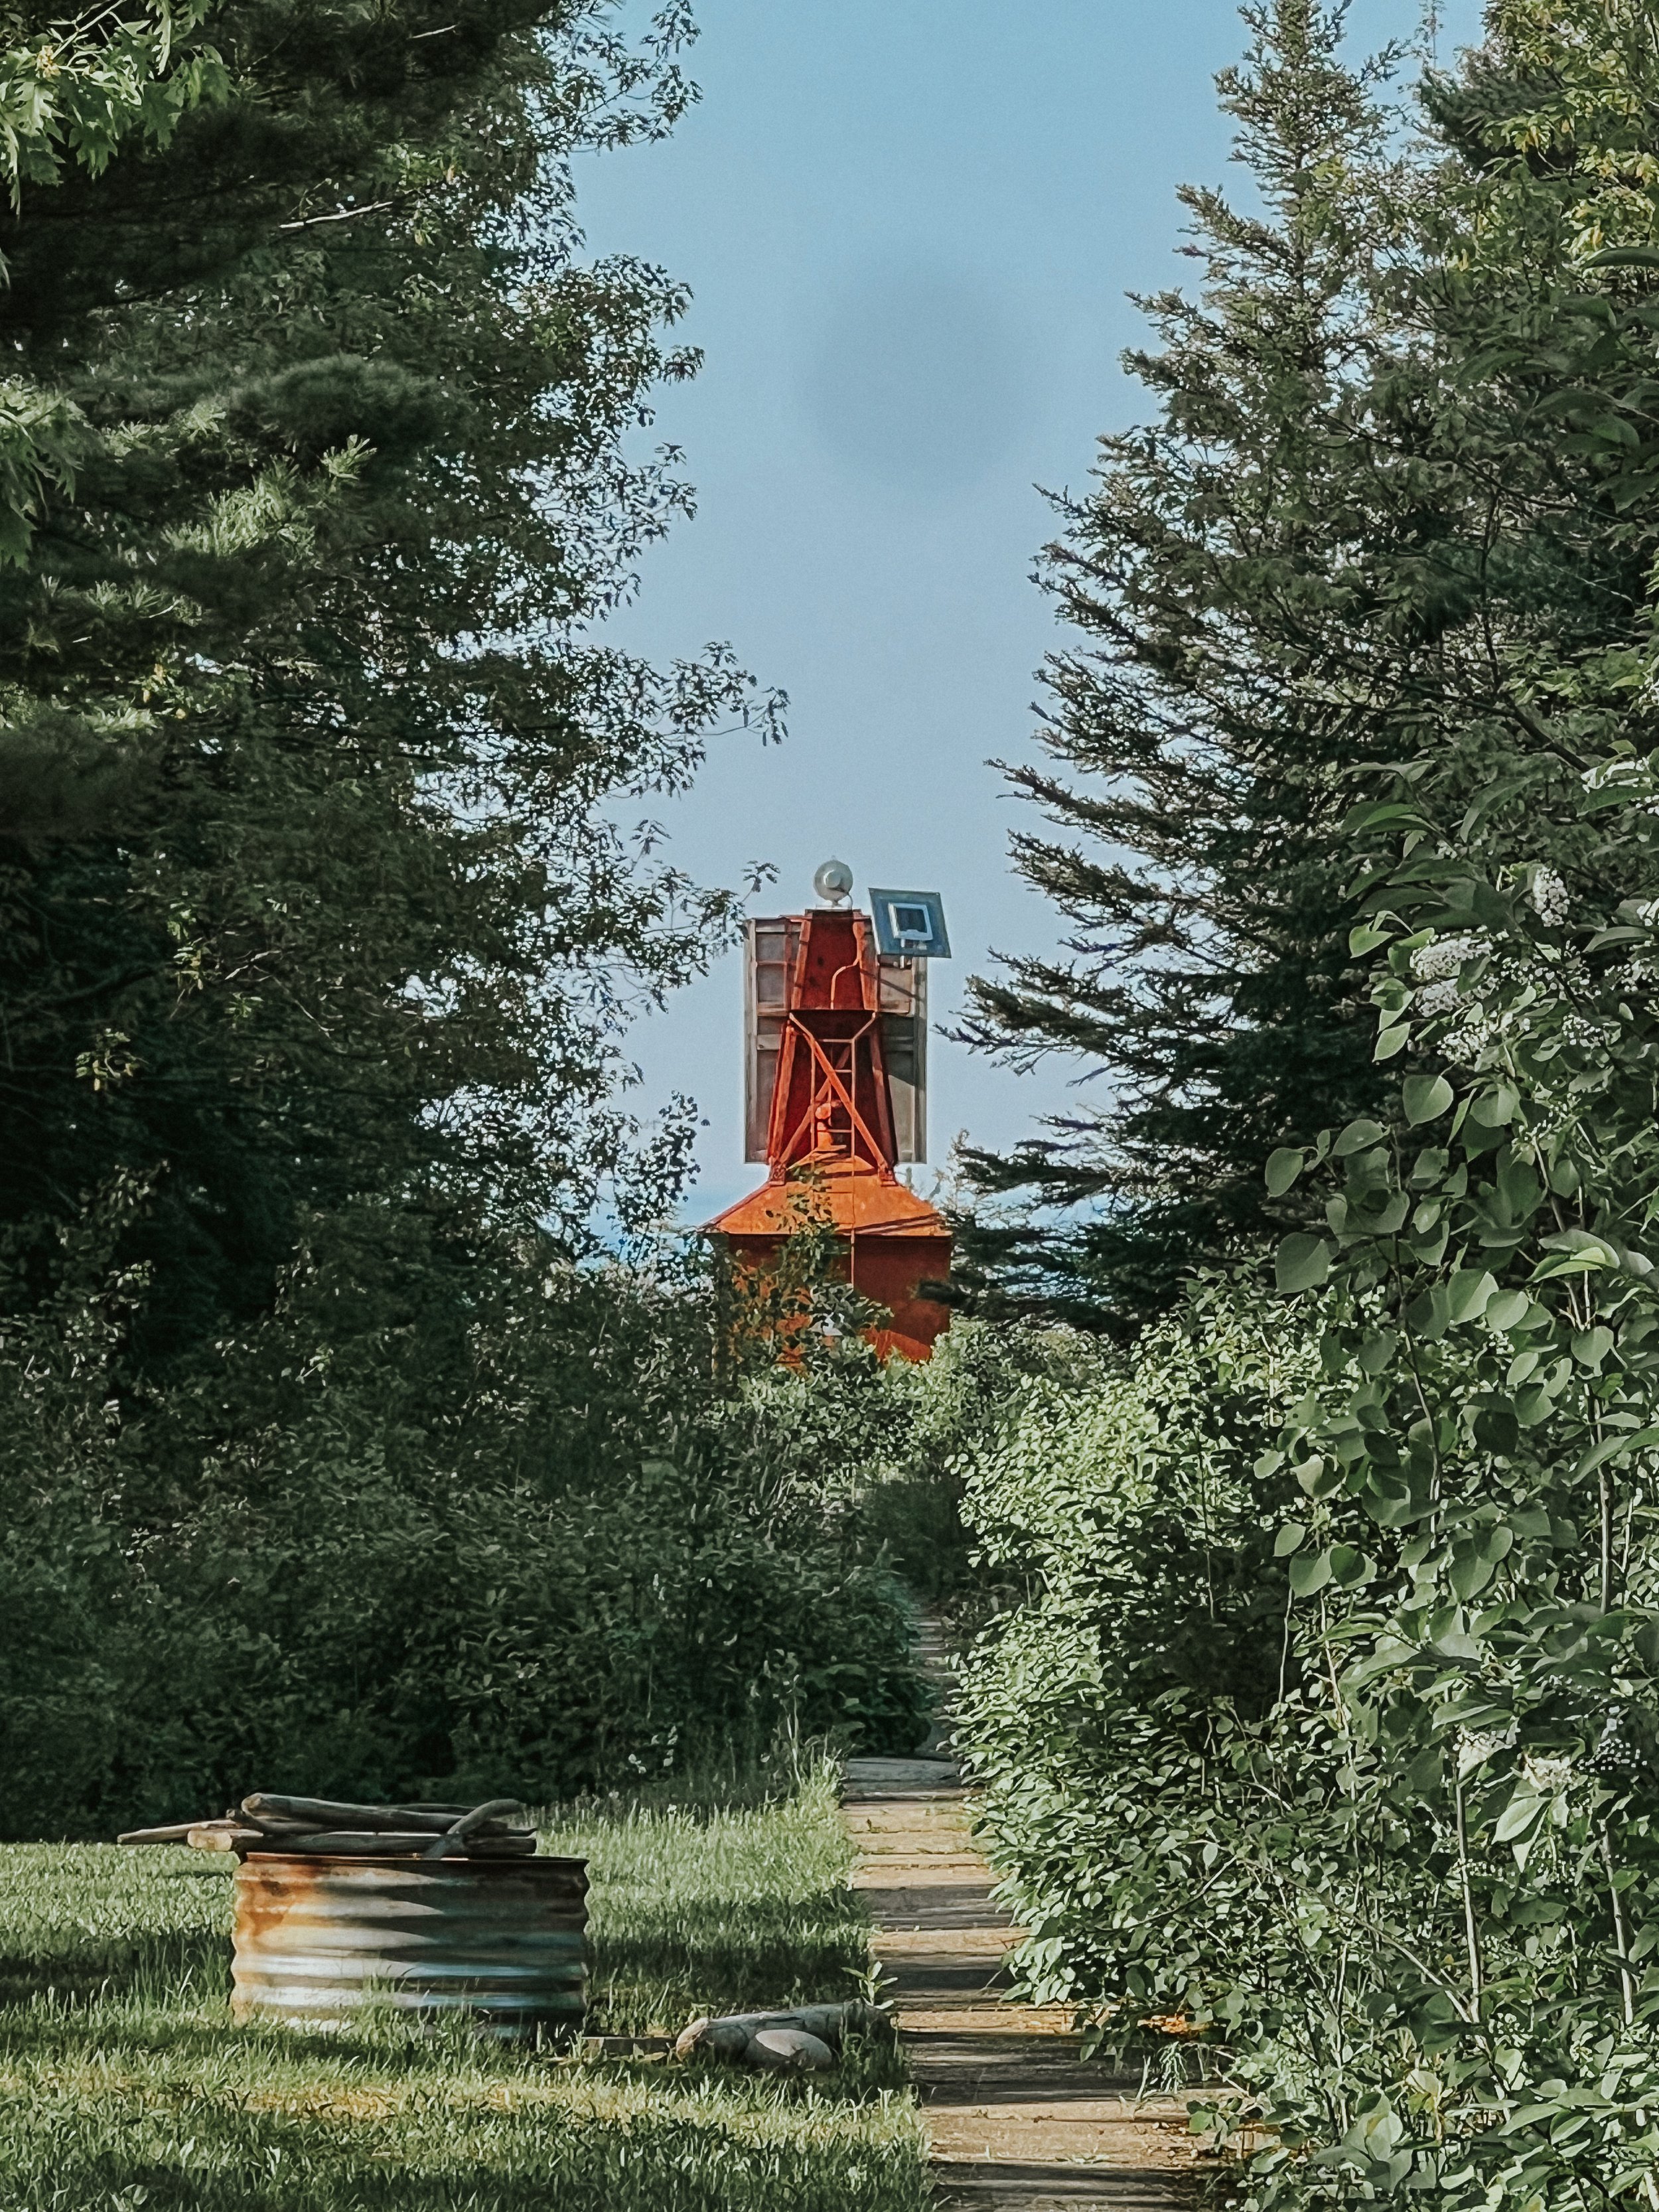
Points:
[124,2086]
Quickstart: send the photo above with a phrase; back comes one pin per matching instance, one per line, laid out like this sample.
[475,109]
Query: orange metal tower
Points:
[837,1066]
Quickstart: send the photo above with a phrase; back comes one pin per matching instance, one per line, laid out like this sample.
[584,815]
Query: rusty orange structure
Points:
[836,1098]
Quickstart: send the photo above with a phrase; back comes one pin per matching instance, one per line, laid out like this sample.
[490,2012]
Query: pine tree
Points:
[1205,728]
[75,91]
[312,896]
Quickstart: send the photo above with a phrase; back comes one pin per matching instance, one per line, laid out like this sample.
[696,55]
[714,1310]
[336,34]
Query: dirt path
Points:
[1015,2119]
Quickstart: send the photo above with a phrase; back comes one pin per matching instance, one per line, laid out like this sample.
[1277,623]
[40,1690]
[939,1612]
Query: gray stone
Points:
[825,2023]
[787,2051]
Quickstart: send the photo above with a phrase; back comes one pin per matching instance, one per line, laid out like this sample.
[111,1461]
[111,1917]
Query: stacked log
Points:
[266,1823]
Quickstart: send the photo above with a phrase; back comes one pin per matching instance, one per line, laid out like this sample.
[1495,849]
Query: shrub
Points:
[435,1527]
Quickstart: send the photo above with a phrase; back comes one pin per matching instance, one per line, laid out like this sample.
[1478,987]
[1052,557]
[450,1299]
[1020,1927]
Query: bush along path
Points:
[1014,2115]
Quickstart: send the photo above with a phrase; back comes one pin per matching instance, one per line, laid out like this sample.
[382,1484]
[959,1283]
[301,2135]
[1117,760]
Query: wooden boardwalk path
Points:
[1014,2119]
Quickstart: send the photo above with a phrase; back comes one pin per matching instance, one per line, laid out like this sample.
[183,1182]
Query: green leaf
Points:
[1309,1571]
[1366,938]
[1615,1448]
[1358,1136]
[1290,1538]
[1470,1573]
[1591,1346]
[1518,1815]
[1468,1292]
[1301,1262]
[1426,1098]
[1369,812]
[1506,1308]
[1430,1246]
[1392,1041]
[1319,1476]
[1389,1218]
[1523,1192]
[1283,1166]
[1389,1500]
[1495,1108]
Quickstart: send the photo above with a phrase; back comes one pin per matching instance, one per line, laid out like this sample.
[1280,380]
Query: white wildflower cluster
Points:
[1580,1030]
[1443,956]
[1546,1775]
[1550,1116]
[1468,1044]
[1476,1745]
[1434,970]
[1549,897]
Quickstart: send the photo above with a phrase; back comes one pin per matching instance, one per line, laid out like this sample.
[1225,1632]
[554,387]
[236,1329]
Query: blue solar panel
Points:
[909,924]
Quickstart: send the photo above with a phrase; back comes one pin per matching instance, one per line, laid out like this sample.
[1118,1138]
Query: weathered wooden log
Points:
[482,1821]
[390,1842]
[270,1823]
[326,1813]
[355,1843]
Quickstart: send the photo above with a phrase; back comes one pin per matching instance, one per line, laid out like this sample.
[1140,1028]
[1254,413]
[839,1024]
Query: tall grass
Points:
[124,2086]
[700,1906]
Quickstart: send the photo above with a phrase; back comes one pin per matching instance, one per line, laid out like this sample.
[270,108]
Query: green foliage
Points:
[314,887]
[913,1469]
[1125,1507]
[80,88]
[1411,1894]
[331,1444]
[431,1542]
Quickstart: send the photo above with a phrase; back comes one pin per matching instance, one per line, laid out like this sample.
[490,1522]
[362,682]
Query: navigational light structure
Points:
[836,1095]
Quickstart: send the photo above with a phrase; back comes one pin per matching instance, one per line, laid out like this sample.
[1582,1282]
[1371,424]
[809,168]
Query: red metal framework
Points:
[837,1042]
[830,1099]
[781,996]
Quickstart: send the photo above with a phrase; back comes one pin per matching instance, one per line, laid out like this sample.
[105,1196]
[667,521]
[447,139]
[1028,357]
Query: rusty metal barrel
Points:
[318,1937]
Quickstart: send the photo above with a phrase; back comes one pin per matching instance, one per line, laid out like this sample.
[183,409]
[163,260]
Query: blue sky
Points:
[908,227]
